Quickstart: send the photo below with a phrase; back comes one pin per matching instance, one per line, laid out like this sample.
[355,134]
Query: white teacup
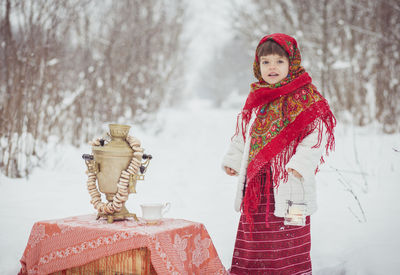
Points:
[154,211]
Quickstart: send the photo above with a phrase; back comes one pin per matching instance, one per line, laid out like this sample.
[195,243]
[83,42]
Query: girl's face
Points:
[274,68]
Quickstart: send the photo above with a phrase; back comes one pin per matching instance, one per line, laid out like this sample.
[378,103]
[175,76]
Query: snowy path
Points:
[186,171]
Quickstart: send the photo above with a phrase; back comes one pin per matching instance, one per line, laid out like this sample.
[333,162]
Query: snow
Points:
[187,145]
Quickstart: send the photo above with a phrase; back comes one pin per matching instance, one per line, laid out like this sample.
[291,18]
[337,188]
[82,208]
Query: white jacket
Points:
[304,161]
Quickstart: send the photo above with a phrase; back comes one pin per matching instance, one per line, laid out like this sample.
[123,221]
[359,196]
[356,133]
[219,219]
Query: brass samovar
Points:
[116,165]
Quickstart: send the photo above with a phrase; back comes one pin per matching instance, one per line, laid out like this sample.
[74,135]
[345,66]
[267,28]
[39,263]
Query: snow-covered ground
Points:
[188,144]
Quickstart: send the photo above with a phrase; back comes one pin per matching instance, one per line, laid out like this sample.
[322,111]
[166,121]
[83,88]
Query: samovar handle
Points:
[91,164]
[88,157]
[145,156]
[144,165]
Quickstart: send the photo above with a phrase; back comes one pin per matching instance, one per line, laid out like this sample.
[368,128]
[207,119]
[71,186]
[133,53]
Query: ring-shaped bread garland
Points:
[123,183]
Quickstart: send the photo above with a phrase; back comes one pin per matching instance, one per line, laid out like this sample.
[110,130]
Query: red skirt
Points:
[277,249]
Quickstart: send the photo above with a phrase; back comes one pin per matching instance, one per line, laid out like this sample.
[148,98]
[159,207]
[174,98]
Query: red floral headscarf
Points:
[289,44]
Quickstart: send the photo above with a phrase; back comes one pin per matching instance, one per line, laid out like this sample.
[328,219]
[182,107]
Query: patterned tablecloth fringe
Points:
[135,261]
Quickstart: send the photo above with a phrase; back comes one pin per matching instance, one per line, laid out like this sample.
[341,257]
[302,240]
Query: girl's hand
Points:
[230,171]
[295,173]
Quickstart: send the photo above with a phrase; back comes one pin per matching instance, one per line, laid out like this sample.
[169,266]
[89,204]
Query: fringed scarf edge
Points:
[277,154]
[261,95]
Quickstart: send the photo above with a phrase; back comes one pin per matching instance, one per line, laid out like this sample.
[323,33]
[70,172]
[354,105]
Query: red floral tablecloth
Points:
[177,246]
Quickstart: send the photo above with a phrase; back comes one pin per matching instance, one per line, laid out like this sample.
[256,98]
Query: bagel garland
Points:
[123,183]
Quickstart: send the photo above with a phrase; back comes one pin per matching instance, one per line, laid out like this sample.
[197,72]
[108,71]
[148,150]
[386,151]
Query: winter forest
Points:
[179,71]
[66,64]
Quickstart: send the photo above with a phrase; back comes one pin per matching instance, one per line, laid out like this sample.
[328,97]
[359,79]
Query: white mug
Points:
[154,211]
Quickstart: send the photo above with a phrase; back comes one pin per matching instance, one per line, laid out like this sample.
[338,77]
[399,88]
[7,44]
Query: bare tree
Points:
[70,66]
[387,69]
[32,47]
[350,48]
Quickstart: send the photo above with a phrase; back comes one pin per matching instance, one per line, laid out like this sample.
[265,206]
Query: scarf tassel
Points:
[277,166]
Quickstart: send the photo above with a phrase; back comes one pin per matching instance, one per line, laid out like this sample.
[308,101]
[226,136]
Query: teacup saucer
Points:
[152,222]
[143,221]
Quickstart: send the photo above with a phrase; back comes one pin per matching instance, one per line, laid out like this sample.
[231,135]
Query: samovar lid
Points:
[118,146]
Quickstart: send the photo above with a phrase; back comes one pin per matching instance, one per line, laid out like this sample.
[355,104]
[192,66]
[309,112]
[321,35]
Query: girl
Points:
[275,152]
